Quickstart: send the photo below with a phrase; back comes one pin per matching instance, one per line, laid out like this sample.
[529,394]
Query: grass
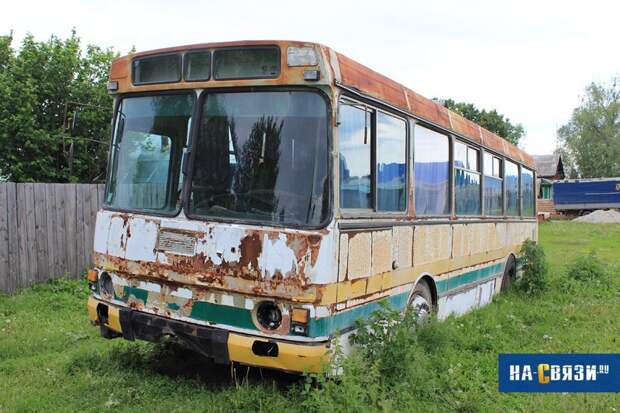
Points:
[51,359]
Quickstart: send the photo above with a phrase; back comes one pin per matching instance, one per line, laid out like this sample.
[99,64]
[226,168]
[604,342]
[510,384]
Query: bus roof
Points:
[336,70]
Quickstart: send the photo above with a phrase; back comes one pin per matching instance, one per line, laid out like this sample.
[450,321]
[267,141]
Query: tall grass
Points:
[51,359]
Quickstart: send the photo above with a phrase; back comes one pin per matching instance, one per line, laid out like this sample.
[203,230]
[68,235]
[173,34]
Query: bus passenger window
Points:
[466,180]
[493,196]
[391,163]
[432,172]
[512,189]
[355,144]
[527,192]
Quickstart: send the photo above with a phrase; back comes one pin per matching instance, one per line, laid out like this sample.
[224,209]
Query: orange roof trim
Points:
[349,73]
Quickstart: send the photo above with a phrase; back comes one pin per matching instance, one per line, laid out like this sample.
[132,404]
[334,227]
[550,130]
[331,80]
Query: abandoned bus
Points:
[263,195]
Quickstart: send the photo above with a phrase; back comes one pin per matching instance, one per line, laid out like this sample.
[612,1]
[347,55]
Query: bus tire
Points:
[510,273]
[421,300]
[108,333]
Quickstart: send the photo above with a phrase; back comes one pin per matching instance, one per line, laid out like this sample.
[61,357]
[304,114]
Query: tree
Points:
[40,85]
[590,141]
[491,120]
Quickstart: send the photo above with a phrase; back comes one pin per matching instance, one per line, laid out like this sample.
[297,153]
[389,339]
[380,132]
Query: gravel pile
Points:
[601,217]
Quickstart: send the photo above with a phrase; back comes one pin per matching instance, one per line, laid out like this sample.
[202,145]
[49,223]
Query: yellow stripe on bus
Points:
[114,321]
[347,290]
[291,357]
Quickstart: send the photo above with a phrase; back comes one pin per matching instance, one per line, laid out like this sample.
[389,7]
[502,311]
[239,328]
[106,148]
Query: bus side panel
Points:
[465,260]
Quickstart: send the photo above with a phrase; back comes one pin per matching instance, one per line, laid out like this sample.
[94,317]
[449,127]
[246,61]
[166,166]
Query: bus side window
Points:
[512,189]
[432,172]
[527,192]
[391,163]
[355,146]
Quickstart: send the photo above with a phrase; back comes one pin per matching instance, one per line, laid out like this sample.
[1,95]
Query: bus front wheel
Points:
[421,301]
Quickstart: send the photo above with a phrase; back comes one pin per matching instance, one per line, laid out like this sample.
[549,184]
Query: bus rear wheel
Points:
[421,301]
[510,273]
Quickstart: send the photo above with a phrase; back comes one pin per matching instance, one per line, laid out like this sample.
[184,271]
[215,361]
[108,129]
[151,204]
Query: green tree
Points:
[590,141]
[38,84]
[491,120]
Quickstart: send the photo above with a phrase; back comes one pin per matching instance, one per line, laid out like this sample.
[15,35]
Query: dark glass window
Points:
[150,134]
[527,192]
[467,192]
[262,156]
[466,180]
[493,194]
[391,163]
[512,189]
[197,66]
[460,155]
[432,172]
[355,137]
[244,63]
[157,69]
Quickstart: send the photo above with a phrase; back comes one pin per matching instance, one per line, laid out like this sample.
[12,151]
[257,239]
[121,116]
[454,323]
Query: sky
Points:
[530,60]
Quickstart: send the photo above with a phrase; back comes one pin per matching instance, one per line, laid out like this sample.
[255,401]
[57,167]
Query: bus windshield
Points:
[262,156]
[151,132]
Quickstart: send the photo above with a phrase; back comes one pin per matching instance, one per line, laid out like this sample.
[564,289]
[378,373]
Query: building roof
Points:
[339,70]
[549,165]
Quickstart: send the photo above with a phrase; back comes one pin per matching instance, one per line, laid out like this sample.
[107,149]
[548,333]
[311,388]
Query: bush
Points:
[534,263]
[387,370]
[587,268]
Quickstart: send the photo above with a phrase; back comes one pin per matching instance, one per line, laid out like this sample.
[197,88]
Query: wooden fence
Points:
[46,230]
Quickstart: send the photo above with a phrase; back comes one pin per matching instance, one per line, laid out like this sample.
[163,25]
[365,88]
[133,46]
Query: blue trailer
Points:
[586,194]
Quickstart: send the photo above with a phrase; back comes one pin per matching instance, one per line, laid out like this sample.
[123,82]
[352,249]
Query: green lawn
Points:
[51,359]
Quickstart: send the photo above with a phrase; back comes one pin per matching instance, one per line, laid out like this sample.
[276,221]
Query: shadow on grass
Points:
[173,360]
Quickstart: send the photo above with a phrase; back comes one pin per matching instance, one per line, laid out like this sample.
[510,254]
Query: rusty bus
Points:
[263,195]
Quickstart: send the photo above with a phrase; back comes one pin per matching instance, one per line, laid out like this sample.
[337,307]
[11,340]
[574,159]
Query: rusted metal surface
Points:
[286,264]
[334,67]
[374,84]
[121,68]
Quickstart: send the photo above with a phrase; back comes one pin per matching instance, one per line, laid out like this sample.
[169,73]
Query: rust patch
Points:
[250,249]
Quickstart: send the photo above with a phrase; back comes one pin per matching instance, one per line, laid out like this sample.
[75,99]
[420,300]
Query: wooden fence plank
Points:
[70,228]
[31,243]
[51,228]
[22,234]
[42,248]
[4,238]
[59,233]
[101,195]
[94,207]
[14,259]
[79,229]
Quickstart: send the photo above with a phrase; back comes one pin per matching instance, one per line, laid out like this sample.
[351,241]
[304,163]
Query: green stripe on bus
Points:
[223,314]
[340,321]
[242,317]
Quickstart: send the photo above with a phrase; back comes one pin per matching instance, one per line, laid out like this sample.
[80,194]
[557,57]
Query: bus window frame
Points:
[411,169]
[501,177]
[480,174]
[180,59]
[521,167]
[374,108]
[118,99]
[519,214]
[265,46]
[204,92]
[185,63]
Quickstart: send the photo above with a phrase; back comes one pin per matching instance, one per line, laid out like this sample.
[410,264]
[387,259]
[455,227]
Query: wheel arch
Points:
[428,279]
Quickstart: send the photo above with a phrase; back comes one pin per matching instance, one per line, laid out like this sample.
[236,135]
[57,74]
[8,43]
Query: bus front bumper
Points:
[221,345]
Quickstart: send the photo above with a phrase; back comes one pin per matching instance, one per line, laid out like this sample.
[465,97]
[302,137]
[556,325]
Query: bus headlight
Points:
[269,315]
[105,285]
